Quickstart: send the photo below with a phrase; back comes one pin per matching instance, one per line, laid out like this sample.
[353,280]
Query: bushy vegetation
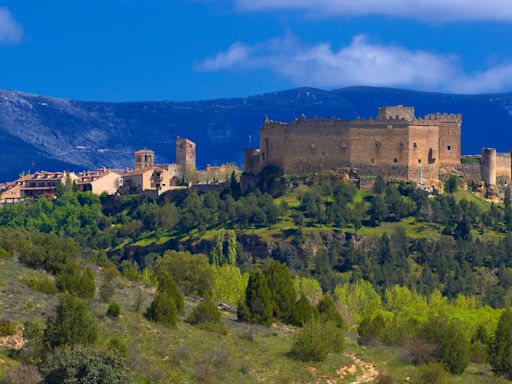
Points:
[316,340]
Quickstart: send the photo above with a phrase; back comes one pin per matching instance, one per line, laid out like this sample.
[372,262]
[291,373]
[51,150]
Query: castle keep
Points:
[395,145]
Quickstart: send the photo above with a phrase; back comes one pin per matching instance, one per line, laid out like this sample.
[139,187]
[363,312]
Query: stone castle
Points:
[395,145]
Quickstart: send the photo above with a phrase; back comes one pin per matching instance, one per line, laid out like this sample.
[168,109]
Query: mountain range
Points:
[40,132]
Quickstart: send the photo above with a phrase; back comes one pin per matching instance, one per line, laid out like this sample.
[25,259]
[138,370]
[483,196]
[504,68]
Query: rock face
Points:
[39,132]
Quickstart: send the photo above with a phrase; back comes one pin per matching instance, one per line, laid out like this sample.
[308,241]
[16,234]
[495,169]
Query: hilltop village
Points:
[146,177]
[396,145]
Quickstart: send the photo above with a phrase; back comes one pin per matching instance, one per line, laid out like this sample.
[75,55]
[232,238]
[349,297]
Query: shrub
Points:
[7,328]
[280,283]
[4,254]
[204,312]
[420,351]
[80,284]
[385,378]
[43,284]
[117,345]
[107,291]
[316,339]
[370,329]
[455,350]
[71,324]
[114,310]
[431,373]
[167,285]
[85,364]
[22,374]
[163,309]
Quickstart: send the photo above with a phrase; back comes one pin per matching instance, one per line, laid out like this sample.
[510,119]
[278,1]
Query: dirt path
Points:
[359,372]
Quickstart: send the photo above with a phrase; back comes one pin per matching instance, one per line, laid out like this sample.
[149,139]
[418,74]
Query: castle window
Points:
[449,147]
[419,161]
[395,160]
[414,145]
[372,161]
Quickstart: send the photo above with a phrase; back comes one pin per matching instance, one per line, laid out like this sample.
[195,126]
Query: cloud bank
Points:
[426,10]
[10,31]
[359,63]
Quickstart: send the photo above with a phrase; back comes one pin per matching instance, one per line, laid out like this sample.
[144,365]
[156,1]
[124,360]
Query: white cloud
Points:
[10,30]
[359,63]
[426,10]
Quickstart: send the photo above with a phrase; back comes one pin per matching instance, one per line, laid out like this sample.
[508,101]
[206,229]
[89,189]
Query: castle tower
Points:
[144,158]
[186,157]
[252,161]
[488,166]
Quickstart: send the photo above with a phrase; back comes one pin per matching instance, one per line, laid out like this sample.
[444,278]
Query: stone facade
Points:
[395,145]
[186,157]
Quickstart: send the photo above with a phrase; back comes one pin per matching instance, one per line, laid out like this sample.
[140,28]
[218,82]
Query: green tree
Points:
[258,300]
[167,286]
[455,350]
[85,365]
[328,311]
[282,290]
[303,311]
[71,324]
[163,309]
[316,340]
[378,210]
[500,353]
[452,184]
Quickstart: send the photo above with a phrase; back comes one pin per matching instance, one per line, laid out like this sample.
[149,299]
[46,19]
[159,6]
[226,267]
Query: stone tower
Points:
[144,158]
[488,166]
[186,157]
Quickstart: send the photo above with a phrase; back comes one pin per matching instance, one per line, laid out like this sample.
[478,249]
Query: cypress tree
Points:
[282,290]
[163,309]
[329,312]
[500,355]
[258,299]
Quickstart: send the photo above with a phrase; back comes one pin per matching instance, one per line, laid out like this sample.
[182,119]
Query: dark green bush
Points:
[303,311]
[432,373]
[163,309]
[43,284]
[316,340]
[500,352]
[71,324]
[329,312]
[205,312]
[85,364]
[114,310]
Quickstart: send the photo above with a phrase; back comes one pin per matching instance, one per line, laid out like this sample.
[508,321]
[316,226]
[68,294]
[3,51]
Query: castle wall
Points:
[381,150]
[424,154]
[306,146]
[449,138]
[503,165]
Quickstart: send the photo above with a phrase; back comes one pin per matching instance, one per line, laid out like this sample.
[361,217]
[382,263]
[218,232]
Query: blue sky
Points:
[117,50]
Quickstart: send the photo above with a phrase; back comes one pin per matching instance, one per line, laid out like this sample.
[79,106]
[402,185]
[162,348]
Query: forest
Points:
[339,268]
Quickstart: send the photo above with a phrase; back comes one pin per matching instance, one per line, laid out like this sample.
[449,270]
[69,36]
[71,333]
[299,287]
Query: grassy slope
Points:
[186,354]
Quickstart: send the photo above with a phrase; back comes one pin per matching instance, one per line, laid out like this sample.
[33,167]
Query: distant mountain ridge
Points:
[40,132]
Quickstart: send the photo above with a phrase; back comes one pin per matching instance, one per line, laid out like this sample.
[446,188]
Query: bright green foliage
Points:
[71,324]
[316,340]
[359,298]
[72,214]
[85,365]
[283,293]
[80,284]
[303,311]
[309,287]
[500,354]
[4,254]
[258,300]
[114,310]
[163,309]
[328,311]
[228,284]
[223,250]
[191,272]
